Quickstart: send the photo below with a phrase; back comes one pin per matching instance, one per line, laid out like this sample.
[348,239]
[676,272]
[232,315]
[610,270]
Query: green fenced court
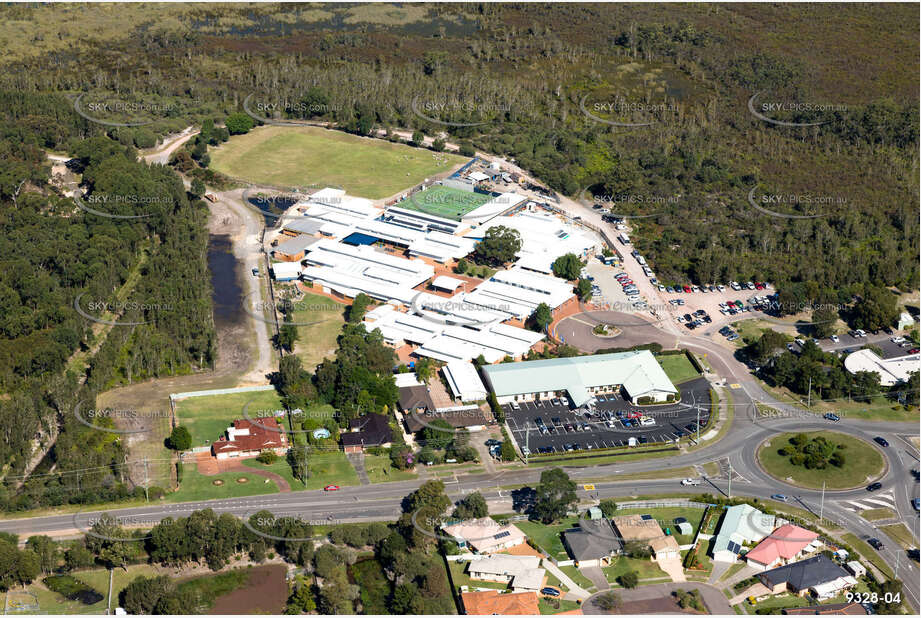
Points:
[444,202]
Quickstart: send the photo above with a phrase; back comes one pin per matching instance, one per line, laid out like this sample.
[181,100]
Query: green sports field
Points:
[444,202]
[305,156]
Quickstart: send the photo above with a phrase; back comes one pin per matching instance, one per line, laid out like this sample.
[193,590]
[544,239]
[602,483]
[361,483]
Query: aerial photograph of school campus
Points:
[480,308]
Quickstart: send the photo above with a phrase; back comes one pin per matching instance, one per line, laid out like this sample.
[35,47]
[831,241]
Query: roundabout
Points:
[806,459]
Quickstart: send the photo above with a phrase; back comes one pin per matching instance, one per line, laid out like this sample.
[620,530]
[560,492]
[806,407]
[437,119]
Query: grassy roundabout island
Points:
[807,459]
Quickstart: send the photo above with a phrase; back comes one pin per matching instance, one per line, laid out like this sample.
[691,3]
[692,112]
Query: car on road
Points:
[779,497]
[876,543]
[832,417]
[916,504]
[694,482]
[874,486]
[331,488]
[881,441]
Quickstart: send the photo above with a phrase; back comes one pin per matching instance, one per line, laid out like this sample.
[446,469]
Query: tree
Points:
[608,601]
[567,267]
[507,451]
[180,439]
[438,145]
[425,369]
[584,290]
[500,244]
[438,434]
[110,543]
[299,460]
[608,507]
[418,138]
[47,551]
[472,506]
[543,316]
[239,123]
[630,579]
[556,495]
[359,307]
[874,310]
[267,457]
[198,188]
[823,321]
[461,266]
[143,594]
[764,347]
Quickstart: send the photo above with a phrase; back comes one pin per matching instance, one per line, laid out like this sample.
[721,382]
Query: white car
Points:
[690,482]
[750,285]
[647,421]
[861,333]
[834,338]
[897,339]
[721,288]
[800,341]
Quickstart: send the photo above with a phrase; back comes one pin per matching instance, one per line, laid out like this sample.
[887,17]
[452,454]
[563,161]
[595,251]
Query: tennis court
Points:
[444,202]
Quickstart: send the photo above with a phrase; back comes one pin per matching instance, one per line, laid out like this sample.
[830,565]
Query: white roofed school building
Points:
[638,373]
[891,370]
[464,381]
[518,292]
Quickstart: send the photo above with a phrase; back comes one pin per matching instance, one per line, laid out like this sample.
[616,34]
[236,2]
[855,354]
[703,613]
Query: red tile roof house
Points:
[247,438]
[787,543]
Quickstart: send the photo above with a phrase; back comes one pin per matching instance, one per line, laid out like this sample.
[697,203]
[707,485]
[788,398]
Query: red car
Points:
[759,286]
[687,289]
[331,488]
[633,414]
[913,351]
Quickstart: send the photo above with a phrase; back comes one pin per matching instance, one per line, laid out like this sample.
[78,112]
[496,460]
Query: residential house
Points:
[742,524]
[819,576]
[495,603]
[248,438]
[485,535]
[366,431]
[786,544]
[522,573]
[664,548]
[593,543]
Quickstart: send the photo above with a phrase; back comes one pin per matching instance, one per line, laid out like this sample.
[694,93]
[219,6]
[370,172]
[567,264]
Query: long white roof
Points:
[891,370]
[464,381]
[544,237]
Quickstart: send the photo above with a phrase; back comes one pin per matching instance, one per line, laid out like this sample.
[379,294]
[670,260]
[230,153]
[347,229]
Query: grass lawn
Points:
[553,580]
[380,471]
[900,534]
[548,537]
[779,602]
[862,463]
[644,567]
[878,514]
[877,409]
[668,473]
[317,341]
[868,553]
[197,486]
[331,469]
[555,606]
[301,156]
[445,202]
[207,417]
[460,578]
[52,603]
[626,454]
[666,518]
[678,368]
[576,575]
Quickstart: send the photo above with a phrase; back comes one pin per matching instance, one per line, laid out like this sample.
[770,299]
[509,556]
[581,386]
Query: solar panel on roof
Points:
[734,547]
[502,535]
[646,517]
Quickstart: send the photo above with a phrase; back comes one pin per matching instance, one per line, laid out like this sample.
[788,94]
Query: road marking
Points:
[735,386]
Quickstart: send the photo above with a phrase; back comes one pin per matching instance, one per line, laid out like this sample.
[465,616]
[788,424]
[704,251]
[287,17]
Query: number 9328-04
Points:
[872,597]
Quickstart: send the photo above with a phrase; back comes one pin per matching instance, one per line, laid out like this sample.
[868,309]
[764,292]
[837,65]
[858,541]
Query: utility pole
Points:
[698,426]
[527,442]
[730,480]
[822,505]
[146,480]
[809,398]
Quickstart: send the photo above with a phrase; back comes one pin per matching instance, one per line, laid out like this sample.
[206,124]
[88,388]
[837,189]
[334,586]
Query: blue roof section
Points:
[357,238]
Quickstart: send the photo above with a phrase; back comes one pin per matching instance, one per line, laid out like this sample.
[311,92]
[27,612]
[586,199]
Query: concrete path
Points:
[358,462]
[597,576]
[575,590]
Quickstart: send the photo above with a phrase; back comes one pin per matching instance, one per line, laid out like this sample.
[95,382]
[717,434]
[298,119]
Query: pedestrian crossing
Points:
[877,501]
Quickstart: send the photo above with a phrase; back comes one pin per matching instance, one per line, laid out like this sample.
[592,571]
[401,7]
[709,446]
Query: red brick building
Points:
[248,438]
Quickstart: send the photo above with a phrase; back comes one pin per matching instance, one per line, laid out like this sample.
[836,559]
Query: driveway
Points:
[656,597]
[672,566]
[597,576]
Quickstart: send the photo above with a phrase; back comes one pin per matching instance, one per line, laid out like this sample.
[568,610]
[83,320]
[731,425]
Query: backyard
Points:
[319,320]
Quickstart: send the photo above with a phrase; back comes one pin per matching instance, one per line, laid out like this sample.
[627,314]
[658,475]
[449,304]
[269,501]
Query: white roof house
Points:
[742,524]
[287,271]
[486,535]
[422,220]
[477,176]
[522,572]
[518,292]
[638,372]
[444,282]
[464,381]
[891,370]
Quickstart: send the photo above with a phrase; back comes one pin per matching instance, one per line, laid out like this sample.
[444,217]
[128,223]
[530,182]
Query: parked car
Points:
[331,488]
[834,338]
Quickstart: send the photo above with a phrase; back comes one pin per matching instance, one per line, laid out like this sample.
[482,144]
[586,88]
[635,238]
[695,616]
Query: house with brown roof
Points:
[366,431]
[492,602]
[637,527]
[248,438]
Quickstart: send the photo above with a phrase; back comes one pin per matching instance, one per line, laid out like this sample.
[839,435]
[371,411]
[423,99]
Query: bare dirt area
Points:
[244,353]
[265,592]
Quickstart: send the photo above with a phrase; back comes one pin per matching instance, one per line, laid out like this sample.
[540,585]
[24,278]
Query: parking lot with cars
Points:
[553,426]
